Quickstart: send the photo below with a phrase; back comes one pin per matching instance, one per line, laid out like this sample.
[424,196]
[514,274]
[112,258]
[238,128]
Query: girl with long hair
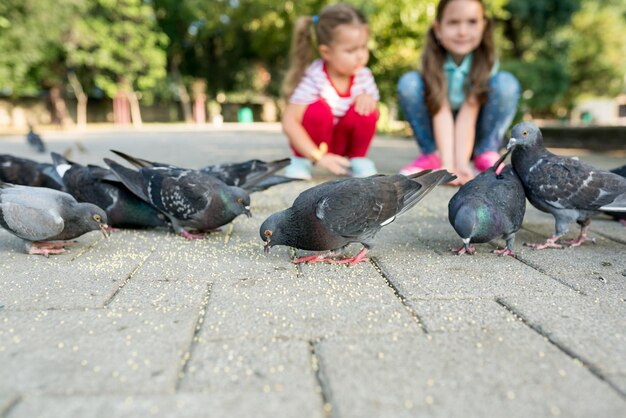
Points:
[460,105]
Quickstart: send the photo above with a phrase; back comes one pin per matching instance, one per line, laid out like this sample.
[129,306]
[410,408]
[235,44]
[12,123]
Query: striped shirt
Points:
[316,85]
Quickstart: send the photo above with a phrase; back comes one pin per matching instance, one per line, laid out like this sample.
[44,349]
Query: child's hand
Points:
[364,104]
[334,163]
[464,174]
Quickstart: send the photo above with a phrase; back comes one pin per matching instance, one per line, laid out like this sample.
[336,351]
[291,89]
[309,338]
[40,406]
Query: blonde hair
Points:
[301,52]
[434,56]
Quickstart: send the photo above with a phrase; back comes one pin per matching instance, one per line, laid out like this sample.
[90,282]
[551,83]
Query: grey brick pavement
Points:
[149,324]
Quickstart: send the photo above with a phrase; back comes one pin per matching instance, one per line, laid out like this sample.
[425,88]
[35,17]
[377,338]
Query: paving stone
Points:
[324,300]
[256,367]
[181,405]
[473,374]
[591,329]
[8,399]
[461,315]
[93,351]
[598,269]
[84,278]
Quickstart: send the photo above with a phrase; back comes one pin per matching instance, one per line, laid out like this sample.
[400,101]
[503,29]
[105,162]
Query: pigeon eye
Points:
[525,133]
[239,200]
[268,233]
[97,218]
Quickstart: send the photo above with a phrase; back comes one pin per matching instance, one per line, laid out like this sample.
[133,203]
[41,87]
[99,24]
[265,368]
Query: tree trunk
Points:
[60,115]
[135,111]
[185,99]
[81,99]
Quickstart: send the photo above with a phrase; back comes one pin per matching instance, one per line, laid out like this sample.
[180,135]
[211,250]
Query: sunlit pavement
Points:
[147,323]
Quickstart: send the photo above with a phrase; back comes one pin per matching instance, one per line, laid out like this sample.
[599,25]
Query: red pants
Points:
[352,135]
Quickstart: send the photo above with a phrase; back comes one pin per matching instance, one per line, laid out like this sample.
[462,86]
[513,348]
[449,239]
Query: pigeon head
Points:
[92,218]
[239,201]
[271,231]
[525,134]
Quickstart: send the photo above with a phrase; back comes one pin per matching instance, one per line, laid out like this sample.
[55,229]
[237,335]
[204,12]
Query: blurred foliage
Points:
[118,45]
[561,50]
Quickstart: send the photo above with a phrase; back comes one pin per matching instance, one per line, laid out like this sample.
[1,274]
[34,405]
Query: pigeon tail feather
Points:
[137,162]
[131,178]
[428,180]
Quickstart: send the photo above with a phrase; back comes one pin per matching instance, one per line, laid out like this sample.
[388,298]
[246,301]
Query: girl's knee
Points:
[505,86]
[318,113]
[410,84]
[352,117]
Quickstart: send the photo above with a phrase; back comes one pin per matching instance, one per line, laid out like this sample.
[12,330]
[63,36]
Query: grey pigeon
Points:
[34,140]
[620,216]
[25,172]
[191,199]
[103,188]
[332,215]
[492,205]
[568,189]
[40,215]
[251,175]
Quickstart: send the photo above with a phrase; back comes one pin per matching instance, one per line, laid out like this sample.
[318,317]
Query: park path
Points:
[149,324]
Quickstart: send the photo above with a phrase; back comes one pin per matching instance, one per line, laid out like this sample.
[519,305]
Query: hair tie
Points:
[315,19]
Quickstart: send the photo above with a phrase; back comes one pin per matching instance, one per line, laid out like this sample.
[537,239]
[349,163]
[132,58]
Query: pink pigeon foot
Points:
[189,235]
[581,238]
[504,251]
[471,250]
[550,243]
[353,261]
[52,244]
[579,241]
[46,248]
[318,258]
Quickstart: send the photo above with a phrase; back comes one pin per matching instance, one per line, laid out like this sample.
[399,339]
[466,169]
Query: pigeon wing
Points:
[181,196]
[566,183]
[356,208]
[30,223]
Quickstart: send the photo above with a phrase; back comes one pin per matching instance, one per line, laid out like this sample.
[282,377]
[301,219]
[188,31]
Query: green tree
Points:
[119,46]
[596,57]
[31,41]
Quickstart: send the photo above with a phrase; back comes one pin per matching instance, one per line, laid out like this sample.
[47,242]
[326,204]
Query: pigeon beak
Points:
[511,143]
[247,211]
[105,230]
[266,246]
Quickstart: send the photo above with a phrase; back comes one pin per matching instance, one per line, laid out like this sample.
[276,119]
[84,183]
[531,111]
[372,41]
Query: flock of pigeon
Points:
[49,204]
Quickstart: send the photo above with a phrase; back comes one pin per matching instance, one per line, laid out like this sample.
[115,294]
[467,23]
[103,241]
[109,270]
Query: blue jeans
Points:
[494,118]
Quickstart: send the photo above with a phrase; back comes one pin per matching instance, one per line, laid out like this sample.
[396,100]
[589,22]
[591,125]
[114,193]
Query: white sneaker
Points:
[300,168]
[362,167]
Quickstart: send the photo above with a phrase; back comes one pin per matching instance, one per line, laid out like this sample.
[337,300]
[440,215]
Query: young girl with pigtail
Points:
[331,115]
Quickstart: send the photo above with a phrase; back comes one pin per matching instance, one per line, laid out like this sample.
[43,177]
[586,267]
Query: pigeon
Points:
[34,140]
[251,175]
[332,215]
[568,189]
[490,206]
[103,188]
[619,216]
[39,215]
[25,172]
[190,199]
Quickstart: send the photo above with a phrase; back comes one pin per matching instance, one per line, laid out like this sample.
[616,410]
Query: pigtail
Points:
[433,58]
[483,60]
[300,54]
